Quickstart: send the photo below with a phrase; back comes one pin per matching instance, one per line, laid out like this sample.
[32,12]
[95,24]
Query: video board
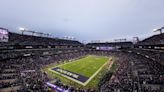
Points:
[105,48]
[4,35]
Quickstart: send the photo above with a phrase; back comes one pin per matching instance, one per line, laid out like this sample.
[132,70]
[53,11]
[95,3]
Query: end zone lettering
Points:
[68,73]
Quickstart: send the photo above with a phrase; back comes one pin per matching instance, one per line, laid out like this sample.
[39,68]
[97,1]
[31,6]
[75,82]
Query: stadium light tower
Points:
[22,29]
[159,30]
[26,30]
[135,40]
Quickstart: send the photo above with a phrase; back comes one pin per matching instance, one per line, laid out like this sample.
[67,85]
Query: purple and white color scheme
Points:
[70,74]
[4,35]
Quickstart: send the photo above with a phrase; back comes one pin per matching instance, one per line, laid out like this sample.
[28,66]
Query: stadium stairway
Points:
[9,81]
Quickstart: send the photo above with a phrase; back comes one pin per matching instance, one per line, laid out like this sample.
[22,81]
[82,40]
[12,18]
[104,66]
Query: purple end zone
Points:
[55,87]
[70,74]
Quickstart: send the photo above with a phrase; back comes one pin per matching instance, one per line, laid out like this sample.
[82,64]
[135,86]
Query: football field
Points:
[82,70]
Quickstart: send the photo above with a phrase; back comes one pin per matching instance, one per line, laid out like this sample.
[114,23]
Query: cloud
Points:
[84,19]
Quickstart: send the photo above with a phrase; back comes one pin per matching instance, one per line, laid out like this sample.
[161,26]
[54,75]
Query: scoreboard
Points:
[105,48]
[4,35]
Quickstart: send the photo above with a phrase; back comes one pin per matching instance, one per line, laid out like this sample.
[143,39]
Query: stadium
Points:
[36,61]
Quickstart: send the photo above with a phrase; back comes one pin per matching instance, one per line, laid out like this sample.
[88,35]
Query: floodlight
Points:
[21,28]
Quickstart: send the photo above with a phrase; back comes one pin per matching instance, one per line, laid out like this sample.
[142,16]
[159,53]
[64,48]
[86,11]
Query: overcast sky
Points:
[84,19]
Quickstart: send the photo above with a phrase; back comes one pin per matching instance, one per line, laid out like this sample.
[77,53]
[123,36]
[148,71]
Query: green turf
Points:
[86,66]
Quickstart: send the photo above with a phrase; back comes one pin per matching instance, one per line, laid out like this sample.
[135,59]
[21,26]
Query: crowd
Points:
[28,40]
[153,54]
[20,69]
[135,73]
[26,71]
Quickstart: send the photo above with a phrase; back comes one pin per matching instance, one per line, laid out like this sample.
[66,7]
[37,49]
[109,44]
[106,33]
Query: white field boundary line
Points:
[111,64]
[110,59]
[67,77]
[84,84]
